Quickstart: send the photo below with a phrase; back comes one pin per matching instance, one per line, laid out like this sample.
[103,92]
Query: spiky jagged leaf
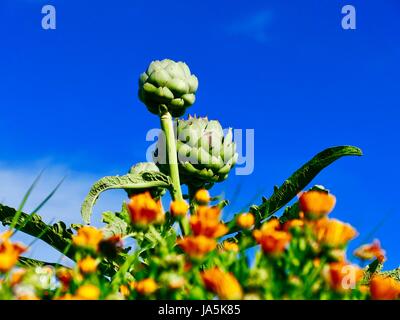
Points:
[116,223]
[57,235]
[299,180]
[132,181]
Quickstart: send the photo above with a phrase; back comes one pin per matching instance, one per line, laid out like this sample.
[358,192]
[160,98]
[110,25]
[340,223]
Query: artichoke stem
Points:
[176,193]
[168,129]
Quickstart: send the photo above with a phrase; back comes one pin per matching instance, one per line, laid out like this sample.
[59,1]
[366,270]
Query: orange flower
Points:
[124,290]
[371,251]
[179,208]
[206,222]
[146,286]
[294,223]
[88,292]
[87,265]
[224,284]
[245,220]
[333,233]
[316,204]
[271,238]
[65,276]
[384,288]
[342,276]
[230,246]
[144,209]
[197,246]
[17,277]
[202,196]
[9,252]
[88,237]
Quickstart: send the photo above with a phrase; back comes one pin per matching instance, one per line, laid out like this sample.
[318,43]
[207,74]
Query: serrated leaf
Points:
[131,181]
[115,225]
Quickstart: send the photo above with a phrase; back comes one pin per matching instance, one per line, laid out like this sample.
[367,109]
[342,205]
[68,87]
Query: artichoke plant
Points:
[168,84]
[205,154]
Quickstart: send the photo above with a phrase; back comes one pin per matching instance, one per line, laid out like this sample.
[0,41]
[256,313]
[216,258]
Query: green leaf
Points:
[132,181]
[303,176]
[299,180]
[115,225]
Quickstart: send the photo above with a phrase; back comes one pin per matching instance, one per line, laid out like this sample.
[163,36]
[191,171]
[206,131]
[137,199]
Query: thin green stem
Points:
[168,129]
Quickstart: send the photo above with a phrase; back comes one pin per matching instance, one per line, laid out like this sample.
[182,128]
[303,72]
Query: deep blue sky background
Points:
[285,68]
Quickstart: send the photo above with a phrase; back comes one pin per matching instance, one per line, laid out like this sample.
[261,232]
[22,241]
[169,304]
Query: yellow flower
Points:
[197,246]
[272,239]
[224,284]
[202,196]
[179,208]
[124,290]
[206,222]
[343,276]
[144,209]
[370,251]
[146,286]
[88,237]
[9,252]
[88,292]
[87,265]
[230,246]
[384,288]
[28,297]
[294,223]
[333,233]
[245,220]
[316,204]
[17,277]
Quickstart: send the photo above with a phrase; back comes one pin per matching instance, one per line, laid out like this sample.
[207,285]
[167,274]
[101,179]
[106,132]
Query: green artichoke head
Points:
[205,153]
[168,86]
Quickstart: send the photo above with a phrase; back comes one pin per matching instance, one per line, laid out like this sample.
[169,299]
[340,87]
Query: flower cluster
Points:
[301,257]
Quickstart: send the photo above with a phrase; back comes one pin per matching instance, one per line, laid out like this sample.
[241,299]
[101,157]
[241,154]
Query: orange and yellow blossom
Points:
[65,276]
[333,233]
[245,220]
[370,251]
[384,288]
[272,239]
[197,246]
[87,265]
[146,286]
[224,284]
[202,196]
[316,204]
[144,209]
[179,208]
[343,276]
[88,292]
[230,246]
[294,223]
[9,252]
[206,222]
[88,237]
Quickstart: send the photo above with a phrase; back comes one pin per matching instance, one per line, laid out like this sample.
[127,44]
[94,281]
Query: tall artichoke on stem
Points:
[167,88]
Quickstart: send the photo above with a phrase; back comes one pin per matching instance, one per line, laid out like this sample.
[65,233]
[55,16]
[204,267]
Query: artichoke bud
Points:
[205,154]
[140,168]
[168,86]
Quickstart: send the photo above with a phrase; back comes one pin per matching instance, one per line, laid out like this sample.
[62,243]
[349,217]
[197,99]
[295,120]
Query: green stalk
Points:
[168,129]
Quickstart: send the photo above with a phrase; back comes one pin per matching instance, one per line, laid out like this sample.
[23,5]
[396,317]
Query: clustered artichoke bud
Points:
[168,84]
[205,154]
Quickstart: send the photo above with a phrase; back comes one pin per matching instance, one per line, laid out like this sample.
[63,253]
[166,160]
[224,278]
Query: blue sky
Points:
[68,97]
